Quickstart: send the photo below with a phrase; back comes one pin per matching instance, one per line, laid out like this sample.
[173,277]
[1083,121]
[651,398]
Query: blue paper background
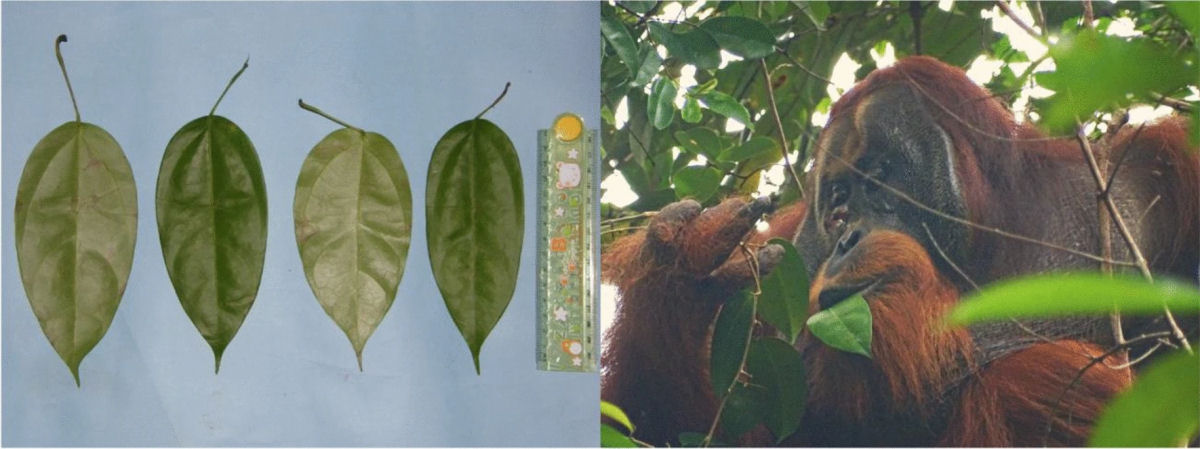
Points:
[409,71]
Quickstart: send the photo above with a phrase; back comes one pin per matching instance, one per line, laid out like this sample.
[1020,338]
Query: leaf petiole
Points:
[497,100]
[230,84]
[315,110]
[58,53]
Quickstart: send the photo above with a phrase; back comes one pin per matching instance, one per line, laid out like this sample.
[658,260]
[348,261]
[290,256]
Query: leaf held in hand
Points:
[475,211]
[353,214]
[76,225]
[211,205]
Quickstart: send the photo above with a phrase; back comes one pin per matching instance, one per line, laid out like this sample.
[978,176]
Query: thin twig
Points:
[972,224]
[802,66]
[1174,103]
[1089,17]
[783,141]
[975,286]
[1111,205]
[1007,10]
[630,228]
[612,221]
[752,260]
[915,12]
[1091,363]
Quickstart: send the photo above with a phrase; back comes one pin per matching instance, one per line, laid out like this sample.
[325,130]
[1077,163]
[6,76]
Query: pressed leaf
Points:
[696,182]
[784,299]
[846,326]
[616,414]
[661,107]
[778,371]
[1082,293]
[700,140]
[211,205]
[741,36]
[730,336]
[475,207]
[353,216]
[76,225]
[1161,409]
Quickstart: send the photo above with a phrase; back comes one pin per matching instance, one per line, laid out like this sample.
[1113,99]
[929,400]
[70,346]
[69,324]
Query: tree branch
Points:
[783,141]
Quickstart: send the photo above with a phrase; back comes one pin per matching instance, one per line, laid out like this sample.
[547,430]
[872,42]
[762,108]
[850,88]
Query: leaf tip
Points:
[475,357]
[358,354]
[75,374]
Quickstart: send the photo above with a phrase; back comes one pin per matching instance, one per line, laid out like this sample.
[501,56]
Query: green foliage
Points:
[475,207]
[784,300]
[1161,409]
[75,260]
[353,218]
[777,370]
[664,159]
[1095,71]
[846,326]
[731,334]
[76,225]
[1067,294]
[211,205]
[610,437]
[615,413]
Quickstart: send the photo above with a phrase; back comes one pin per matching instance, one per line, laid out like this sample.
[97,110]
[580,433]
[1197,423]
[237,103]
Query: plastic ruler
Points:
[566,246]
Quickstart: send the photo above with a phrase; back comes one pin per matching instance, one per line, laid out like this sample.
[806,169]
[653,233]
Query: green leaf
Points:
[1096,71]
[700,140]
[1161,409]
[76,224]
[757,148]
[817,12]
[618,36]
[696,182]
[661,107]
[691,110]
[741,36]
[744,409]
[846,326]
[475,206]
[1188,13]
[1064,294]
[776,368]
[696,47]
[616,414]
[610,437]
[784,300]
[730,336]
[211,205]
[649,67]
[353,218]
[726,105]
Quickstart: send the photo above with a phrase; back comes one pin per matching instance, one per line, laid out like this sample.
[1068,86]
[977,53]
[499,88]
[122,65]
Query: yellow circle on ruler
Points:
[568,127]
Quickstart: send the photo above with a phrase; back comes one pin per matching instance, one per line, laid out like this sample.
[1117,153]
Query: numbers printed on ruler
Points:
[565,259]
